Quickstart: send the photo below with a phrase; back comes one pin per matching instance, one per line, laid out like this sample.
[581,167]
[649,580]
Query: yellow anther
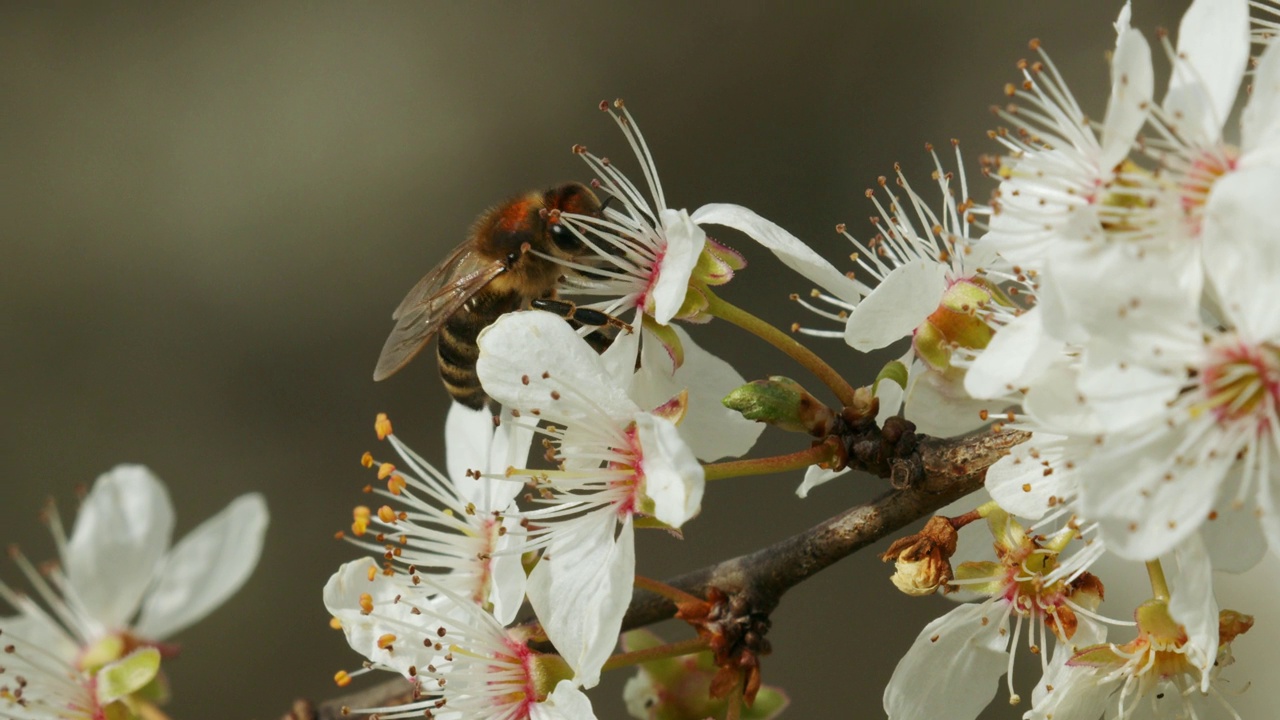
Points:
[341,678]
[396,484]
[386,641]
[385,470]
[386,514]
[367,459]
[382,426]
[366,603]
[373,572]
[335,623]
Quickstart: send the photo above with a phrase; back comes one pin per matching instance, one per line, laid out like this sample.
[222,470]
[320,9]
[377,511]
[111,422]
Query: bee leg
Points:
[581,315]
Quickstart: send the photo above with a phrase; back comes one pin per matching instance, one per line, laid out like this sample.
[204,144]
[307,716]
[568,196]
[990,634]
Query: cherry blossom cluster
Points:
[1116,299]
[1113,299]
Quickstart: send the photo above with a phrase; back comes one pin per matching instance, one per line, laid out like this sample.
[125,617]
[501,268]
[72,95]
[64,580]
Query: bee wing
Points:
[433,300]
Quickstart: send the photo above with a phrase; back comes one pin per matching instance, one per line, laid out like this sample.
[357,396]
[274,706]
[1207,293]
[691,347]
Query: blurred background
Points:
[208,212]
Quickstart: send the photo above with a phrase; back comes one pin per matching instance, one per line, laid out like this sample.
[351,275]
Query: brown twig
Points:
[927,474]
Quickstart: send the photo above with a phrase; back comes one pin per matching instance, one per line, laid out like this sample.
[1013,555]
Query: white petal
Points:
[1017,354]
[815,476]
[1191,603]
[937,404]
[206,567]
[518,350]
[468,440]
[673,477]
[1132,88]
[620,357]
[787,247]
[1213,37]
[711,429]
[581,592]
[363,631]
[1145,501]
[507,585]
[120,538]
[472,443]
[906,296]
[953,667]
[1242,249]
[1233,534]
[685,241]
[1018,481]
[566,702]
[1260,122]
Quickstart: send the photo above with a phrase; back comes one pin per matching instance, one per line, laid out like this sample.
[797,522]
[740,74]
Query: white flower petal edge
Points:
[120,538]
[893,310]
[1213,49]
[581,588]
[685,241]
[520,346]
[1192,604]
[954,666]
[712,430]
[1242,249]
[206,567]
[787,247]
[363,630]
[566,702]
[673,477]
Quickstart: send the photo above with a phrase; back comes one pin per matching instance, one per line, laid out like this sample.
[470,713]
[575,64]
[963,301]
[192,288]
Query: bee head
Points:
[569,198]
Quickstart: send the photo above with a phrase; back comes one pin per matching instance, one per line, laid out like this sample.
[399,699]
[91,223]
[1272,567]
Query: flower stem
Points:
[735,700]
[657,587]
[824,451]
[1159,586]
[661,652]
[728,312]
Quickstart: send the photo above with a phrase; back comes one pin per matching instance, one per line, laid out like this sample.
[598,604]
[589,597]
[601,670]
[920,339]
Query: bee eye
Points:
[564,238]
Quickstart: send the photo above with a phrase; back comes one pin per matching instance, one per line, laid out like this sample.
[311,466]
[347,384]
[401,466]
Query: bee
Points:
[494,271]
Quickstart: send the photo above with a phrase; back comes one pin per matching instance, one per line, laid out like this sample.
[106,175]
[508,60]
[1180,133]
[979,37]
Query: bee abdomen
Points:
[457,350]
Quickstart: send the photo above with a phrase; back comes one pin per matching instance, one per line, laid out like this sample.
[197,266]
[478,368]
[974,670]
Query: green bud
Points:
[783,403]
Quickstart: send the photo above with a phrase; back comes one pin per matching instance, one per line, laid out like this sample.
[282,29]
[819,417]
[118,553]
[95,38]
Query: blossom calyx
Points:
[923,561]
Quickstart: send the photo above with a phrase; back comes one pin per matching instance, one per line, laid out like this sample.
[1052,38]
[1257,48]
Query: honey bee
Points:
[494,271]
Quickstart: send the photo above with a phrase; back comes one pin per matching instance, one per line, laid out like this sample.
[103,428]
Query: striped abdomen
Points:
[457,350]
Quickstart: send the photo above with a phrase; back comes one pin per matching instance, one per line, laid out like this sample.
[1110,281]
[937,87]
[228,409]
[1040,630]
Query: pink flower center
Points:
[1243,381]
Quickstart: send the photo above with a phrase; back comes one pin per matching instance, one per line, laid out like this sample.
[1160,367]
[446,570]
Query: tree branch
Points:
[928,473]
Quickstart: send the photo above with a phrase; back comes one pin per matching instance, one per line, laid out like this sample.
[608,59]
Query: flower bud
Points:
[783,403]
[923,561]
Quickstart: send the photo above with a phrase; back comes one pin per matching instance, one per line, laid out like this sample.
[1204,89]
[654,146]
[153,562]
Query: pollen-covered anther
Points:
[366,603]
[385,470]
[342,679]
[382,426]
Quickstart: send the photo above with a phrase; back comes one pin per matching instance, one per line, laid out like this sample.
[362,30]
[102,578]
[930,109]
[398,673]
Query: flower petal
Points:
[581,588]
[711,429]
[1017,354]
[526,358]
[1242,251]
[1213,49]
[1132,88]
[673,477]
[787,247]
[685,241]
[473,443]
[1192,605]
[906,296]
[953,667]
[1260,122]
[566,702]
[119,541]
[206,567]
[365,631]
